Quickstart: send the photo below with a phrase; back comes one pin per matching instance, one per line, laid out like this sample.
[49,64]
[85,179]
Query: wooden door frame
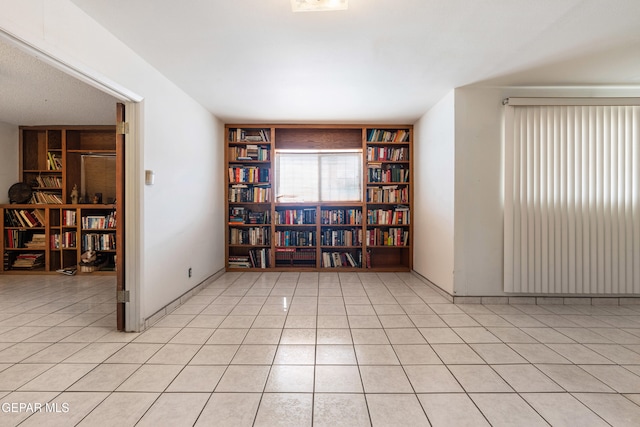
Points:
[120,216]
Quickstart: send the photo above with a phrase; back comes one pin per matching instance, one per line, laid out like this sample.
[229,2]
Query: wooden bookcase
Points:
[50,229]
[373,234]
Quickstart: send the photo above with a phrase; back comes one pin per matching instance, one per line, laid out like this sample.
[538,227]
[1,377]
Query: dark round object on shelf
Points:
[19,192]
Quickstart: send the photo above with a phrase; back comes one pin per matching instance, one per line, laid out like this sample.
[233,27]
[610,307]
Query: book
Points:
[68,271]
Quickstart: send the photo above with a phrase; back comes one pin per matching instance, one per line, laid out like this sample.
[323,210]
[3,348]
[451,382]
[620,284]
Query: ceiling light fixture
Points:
[318,5]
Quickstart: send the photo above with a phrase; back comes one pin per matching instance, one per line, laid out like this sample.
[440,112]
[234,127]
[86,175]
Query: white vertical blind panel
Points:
[572,220]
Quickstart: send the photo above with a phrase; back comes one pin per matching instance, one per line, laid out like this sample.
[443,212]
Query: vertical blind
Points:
[571,214]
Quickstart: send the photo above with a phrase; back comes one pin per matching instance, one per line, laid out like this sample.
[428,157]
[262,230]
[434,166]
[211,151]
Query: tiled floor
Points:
[294,349]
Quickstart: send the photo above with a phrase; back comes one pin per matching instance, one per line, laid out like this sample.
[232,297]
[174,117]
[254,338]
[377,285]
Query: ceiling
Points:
[380,61]
[35,93]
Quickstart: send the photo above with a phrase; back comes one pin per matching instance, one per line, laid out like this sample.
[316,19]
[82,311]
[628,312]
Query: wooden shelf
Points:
[379,258]
[69,145]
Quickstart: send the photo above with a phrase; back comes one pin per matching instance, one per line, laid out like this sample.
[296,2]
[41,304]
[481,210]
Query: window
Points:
[319,175]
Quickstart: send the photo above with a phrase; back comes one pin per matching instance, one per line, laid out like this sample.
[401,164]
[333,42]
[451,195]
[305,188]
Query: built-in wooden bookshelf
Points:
[52,230]
[54,236]
[372,234]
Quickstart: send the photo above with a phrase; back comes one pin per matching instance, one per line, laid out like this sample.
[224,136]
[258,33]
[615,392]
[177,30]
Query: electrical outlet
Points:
[189,271]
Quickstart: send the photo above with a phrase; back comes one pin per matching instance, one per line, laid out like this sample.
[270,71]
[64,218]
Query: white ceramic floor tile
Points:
[479,379]
[105,377]
[563,410]
[457,354]
[432,379]
[285,409]
[340,410]
[507,410]
[243,379]
[275,348]
[613,408]
[174,354]
[295,355]
[134,353]
[385,379]
[451,410]
[616,377]
[218,354]
[174,409]
[526,378]
[122,409]
[494,354]
[150,378]
[197,379]
[396,410]
[338,379]
[58,378]
[376,355]
[290,379]
[335,355]
[574,379]
[94,353]
[254,355]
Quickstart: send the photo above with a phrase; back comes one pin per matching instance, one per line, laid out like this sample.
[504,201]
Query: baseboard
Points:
[533,299]
[167,309]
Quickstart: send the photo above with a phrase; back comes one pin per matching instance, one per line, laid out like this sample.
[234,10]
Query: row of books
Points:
[65,240]
[251,135]
[28,261]
[98,242]
[241,215]
[341,216]
[388,194]
[296,216]
[295,238]
[260,258]
[45,198]
[341,259]
[250,236]
[245,173]
[48,181]
[250,152]
[290,257]
[69,217]
[54,161]
[391,154]
[399,215]
[389,173]
[249,194]
[257,258]
[99,222]
[350,237]
[384,135]
[390,237]
[24,218]
[15,239]
[7,260]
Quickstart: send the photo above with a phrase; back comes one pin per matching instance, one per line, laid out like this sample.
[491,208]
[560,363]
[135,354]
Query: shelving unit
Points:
[64,234]
[373,234]
[54,159]
[389,198]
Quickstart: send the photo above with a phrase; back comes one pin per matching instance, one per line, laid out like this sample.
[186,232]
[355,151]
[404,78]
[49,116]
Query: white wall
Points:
[433,200]
[182,222]
[479,181]
[9,165]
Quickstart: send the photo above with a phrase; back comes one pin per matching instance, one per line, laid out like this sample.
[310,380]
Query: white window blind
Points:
[312,176]
[571,214]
